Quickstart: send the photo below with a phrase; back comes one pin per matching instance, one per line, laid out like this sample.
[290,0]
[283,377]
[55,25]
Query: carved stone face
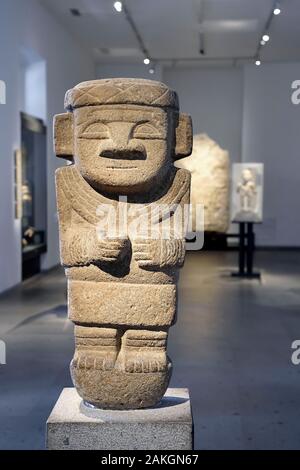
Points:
[123,148]
[247,175]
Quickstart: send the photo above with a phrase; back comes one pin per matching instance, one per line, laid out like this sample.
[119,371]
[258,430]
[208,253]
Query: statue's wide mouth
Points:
[121,167]
[123,154]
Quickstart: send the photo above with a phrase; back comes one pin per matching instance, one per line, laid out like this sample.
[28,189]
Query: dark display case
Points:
[33,193]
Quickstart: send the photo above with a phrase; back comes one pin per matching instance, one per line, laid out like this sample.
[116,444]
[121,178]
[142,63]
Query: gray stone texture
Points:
[168,426]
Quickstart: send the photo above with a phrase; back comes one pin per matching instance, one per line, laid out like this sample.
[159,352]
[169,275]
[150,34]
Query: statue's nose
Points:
[120,146]
[120,133]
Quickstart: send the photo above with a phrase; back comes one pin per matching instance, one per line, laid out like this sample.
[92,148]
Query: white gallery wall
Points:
[28,25]
[214,98]
[271,134]
[127,71]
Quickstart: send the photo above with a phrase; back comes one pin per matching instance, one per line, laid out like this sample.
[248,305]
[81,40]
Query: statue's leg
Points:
[120,369]
[96,347]
[144,351]
[243,205]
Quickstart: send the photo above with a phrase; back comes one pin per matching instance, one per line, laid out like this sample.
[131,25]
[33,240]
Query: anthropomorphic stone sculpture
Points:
[121,137]
[247,190]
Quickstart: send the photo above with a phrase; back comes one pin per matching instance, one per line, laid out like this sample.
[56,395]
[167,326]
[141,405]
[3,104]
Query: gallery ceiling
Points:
[176,30]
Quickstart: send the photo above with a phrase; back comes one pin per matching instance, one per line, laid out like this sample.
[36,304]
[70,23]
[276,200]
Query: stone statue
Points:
[209,167]
[247,190]
[121,137]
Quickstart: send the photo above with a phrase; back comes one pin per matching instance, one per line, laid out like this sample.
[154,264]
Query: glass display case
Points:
[33,193]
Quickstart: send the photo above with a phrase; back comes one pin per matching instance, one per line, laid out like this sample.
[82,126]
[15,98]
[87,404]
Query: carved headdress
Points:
[121,91]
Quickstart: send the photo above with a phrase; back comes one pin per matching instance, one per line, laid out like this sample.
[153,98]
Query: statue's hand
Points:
[148,252]
[112,249]
[160,253]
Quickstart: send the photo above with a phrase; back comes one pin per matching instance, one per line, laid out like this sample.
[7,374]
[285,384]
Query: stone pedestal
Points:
[168,426]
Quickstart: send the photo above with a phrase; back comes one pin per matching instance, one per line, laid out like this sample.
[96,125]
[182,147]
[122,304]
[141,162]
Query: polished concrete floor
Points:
[231,347]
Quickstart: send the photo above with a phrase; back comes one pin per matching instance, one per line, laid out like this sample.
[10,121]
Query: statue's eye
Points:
[97,130]
[145,131]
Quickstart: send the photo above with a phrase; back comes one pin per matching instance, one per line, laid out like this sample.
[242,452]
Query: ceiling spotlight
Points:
[118,6]
[266,37]
[151,71]
[277,11]
[75,12]
[262,42]
[257,62]
[146,61]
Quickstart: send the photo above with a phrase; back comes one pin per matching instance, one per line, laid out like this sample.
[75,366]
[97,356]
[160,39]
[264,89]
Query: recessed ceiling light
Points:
[118,6]
[257,62]
[266,37]
[151,71]
[146,61]
[277,11]
[262,42]
[75,12]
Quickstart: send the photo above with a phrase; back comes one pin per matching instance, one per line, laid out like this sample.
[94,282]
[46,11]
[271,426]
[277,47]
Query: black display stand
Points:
[246,252]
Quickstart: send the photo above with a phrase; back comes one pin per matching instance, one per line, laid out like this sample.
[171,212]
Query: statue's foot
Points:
[96,348]
[145,362]
[143,351]
[92,360]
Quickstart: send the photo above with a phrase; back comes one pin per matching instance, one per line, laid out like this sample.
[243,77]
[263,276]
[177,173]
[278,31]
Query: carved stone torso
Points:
[124,279]
[78,203]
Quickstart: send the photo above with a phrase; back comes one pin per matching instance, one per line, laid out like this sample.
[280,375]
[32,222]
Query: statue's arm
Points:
[254,188]
[168,251]
[80,245]
[75,245]
[173,252]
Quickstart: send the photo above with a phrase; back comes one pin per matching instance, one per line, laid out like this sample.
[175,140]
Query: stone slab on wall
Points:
[209,166]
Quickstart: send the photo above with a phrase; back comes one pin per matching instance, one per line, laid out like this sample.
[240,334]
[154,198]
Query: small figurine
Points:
[247,190]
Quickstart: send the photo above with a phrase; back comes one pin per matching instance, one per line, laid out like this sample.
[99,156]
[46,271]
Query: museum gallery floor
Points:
[231,347]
